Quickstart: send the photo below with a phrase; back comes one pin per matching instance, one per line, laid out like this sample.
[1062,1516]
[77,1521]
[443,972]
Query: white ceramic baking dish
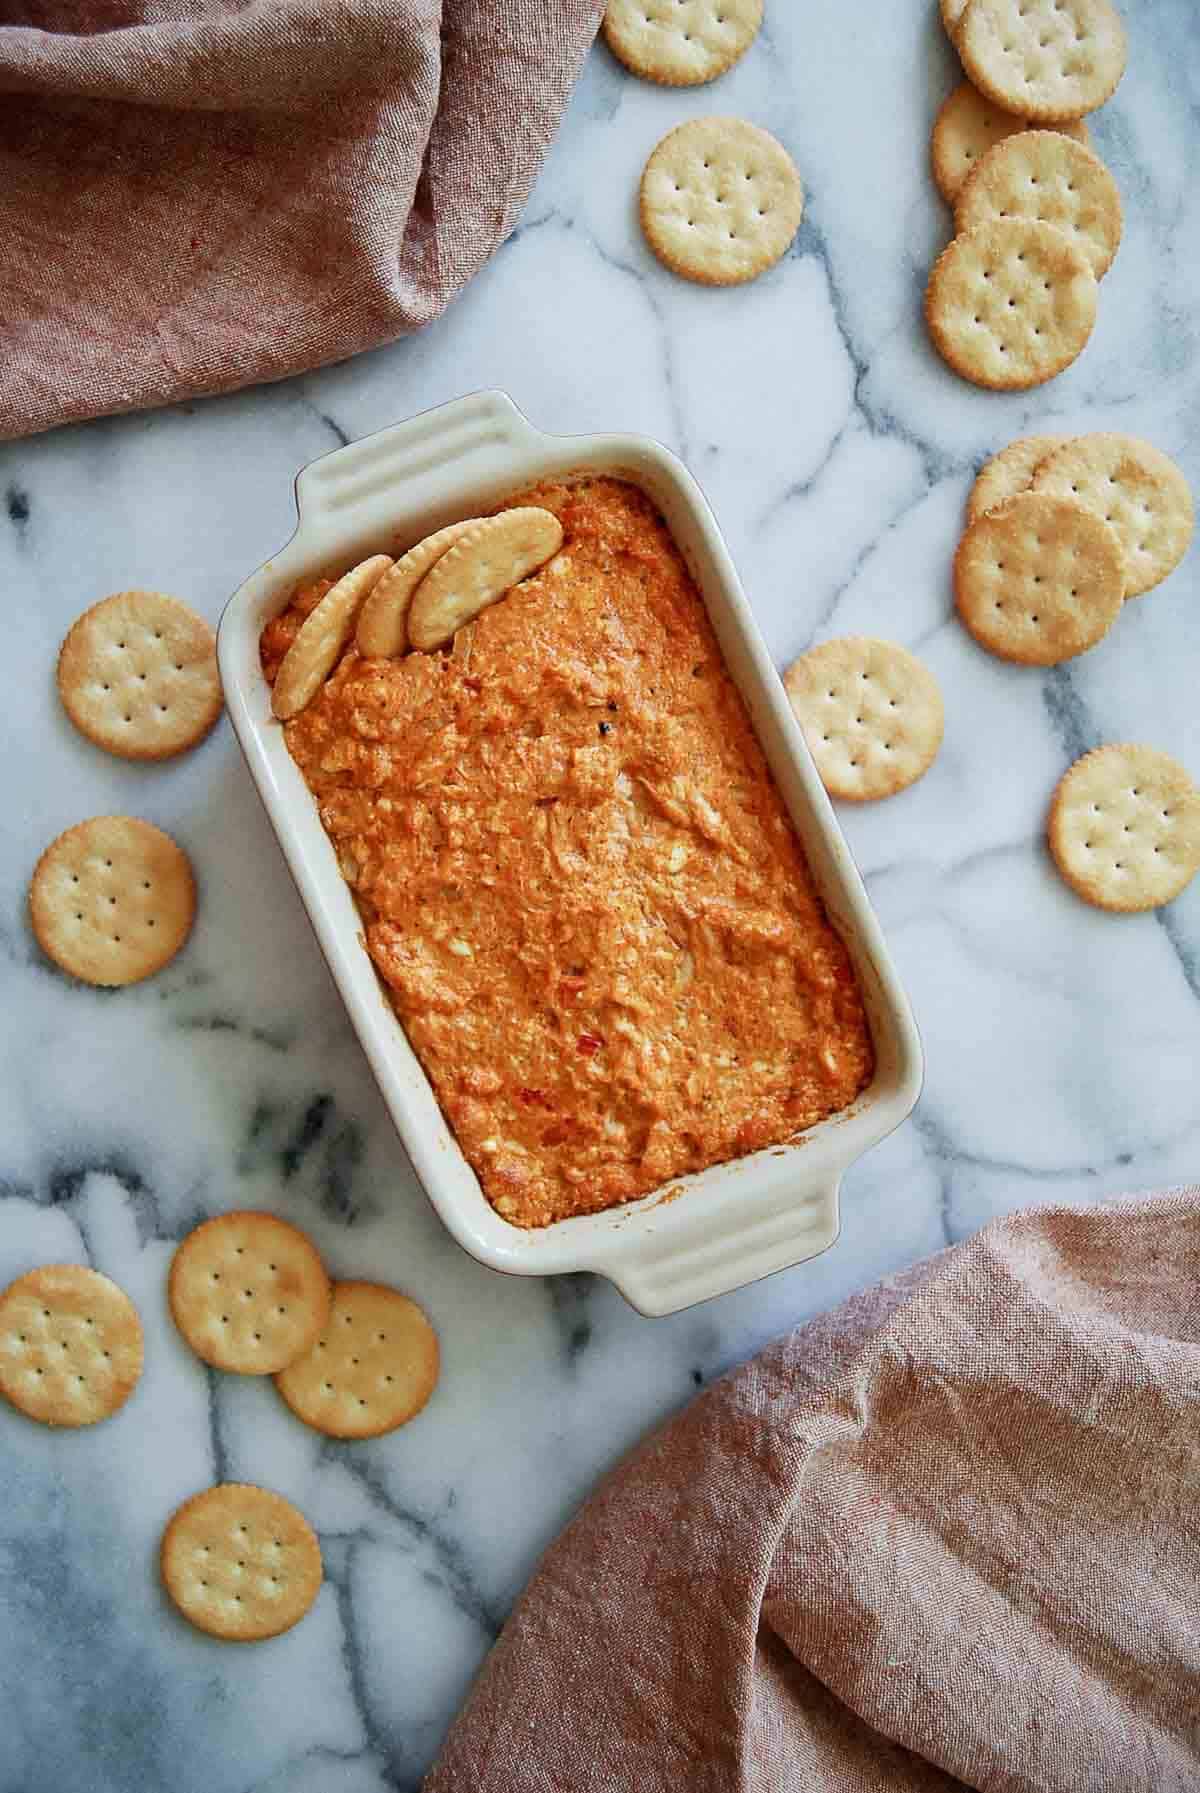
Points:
[734,1222]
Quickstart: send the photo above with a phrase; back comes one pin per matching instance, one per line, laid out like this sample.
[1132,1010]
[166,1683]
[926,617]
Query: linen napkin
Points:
[947,1536]
[196,195]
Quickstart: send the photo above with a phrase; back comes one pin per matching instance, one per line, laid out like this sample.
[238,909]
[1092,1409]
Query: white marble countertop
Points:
[1062,1044]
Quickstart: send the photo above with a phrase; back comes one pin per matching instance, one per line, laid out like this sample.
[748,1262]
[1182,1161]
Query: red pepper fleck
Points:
[534,1098]
[589,1043]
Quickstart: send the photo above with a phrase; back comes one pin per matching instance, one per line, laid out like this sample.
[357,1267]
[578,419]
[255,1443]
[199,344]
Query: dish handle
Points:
[680,1274]
[478,436]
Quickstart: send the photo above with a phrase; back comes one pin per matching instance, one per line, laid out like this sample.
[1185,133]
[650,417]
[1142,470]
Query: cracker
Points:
[373,1368]
[112,900]
[484,564]
[1124,828]
[382,631]
[249,1292]
[871,714]
[322,636]
[1009,472]
[967,127]
[1043,175]
[70,1345]
[1139,492]
[952,12]
[1010,304]
[240,1562]
[1050,60]
[1039,580]
[720,201]
[137,674]
[681,43]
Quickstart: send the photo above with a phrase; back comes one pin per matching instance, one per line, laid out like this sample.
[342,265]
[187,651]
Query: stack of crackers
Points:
[1012,301]
[1060,531]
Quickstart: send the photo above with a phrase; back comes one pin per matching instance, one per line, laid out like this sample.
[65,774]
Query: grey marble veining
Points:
[1062,1044]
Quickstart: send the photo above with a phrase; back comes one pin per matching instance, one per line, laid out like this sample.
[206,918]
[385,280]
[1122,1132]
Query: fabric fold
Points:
[947,1536]
[195,198]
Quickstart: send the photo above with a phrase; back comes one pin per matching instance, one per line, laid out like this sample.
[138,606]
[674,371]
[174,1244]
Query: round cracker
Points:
[1124,828]
[249,1292]
[240,1562]
[112,900]
[1039,580]
[373,1368]
[70,1345]
[1139,492]
[382,631]
[967,127]
[1009,472]
[720,201]
[871,714]
[1009,305]
[1050,60]
[322,636]
[952,12]
[681,43]
[485,563]
[137,674]
[1043,175]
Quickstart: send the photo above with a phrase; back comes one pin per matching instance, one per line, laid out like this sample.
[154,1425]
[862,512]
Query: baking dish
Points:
[734,1222]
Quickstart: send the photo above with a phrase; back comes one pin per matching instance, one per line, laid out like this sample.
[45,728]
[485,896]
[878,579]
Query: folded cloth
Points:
[199,194]
[948,1535]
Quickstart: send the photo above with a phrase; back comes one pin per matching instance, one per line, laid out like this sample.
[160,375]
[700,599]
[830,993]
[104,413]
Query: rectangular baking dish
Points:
[733,1222]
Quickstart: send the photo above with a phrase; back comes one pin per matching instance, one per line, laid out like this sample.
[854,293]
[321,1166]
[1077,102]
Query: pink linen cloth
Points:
[947,1536]
[196,195]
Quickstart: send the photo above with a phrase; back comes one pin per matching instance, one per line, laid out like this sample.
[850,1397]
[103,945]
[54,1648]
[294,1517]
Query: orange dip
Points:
[578,881]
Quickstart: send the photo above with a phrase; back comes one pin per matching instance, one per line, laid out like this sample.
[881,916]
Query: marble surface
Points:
[1062,1044]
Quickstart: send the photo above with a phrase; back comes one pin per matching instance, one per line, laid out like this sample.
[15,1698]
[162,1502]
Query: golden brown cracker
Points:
[720,201]
[1008,472]
[1050,60]
[70,1345]
[871,714]
[240,1562]
[373,1368]
[681,43]
[249,1292]
[382,630]
[1039,580]
[967,127]
[112,900]
[137,674]
[485,563]
[1136,489]
[1044,176]
[1011,304]
[322,636]
[1124,828]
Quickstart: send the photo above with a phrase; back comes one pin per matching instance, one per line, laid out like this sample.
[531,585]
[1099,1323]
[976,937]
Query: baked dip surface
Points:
[577,878]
